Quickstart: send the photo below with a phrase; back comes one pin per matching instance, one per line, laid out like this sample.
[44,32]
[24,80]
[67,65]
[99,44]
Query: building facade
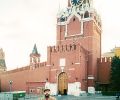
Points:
[114,52]
[72,64]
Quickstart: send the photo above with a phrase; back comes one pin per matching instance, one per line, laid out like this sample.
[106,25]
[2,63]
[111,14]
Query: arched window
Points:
[73,19]
[86,15]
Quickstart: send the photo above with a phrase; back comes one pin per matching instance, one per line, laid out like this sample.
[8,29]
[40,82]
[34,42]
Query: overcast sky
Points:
[26,22]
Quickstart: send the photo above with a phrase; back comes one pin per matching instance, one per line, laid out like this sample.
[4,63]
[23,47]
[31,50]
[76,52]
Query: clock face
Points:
[76,2]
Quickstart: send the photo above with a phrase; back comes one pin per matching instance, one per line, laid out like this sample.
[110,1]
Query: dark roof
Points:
[2,63]
[34,51]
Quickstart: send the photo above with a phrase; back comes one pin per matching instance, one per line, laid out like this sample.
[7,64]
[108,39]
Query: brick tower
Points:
[74,58]
[34,58]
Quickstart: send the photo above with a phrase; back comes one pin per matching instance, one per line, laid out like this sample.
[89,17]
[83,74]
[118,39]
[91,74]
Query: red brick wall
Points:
[74,26]
[90,41]
[104,68]
[20,78]
[75,63]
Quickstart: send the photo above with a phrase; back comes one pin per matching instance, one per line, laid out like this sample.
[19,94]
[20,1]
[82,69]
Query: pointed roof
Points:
[2,63]
[34,51]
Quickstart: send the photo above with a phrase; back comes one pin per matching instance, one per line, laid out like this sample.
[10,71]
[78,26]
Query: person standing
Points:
[47,95]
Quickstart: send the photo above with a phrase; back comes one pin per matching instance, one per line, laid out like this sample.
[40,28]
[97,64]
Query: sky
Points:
[26,22]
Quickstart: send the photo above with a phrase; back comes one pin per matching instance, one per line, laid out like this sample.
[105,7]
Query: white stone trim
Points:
[61,23]
[90,77]
[77,63]
[73,35]
[74,14]
[62,62]
[81,27]
[66,30]
[87,19]
[68,20]
[81,37]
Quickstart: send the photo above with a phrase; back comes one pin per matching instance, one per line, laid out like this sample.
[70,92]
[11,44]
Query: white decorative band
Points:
[90,77]
[77,63]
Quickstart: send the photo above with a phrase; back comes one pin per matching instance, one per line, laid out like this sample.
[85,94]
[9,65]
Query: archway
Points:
[62,83]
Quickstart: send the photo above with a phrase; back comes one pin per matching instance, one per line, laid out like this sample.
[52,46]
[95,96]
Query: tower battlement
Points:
[63,48]
[104,59]
[17,70]
[38,65]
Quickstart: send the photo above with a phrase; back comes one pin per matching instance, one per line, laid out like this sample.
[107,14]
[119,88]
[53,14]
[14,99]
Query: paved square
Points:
[68,97]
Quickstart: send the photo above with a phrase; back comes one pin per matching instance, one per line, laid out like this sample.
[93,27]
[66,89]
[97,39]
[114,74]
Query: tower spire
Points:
[34,51]
[34,57]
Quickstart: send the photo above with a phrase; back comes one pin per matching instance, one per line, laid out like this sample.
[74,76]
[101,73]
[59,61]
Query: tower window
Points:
[73,19]
[62,19]
[86,15]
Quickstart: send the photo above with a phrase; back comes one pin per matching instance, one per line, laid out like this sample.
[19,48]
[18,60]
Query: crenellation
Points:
[57,48]
[98,60]
[68,48]
[60,48]
[104,59]
[17,70]
[63,48]
[108,59]
[50,49]
[53,48]
[43,64]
